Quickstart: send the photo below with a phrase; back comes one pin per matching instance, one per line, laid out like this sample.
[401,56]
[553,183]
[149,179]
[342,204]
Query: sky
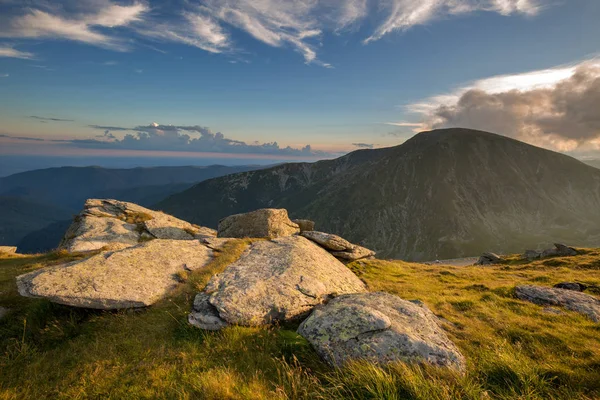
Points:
[273,80]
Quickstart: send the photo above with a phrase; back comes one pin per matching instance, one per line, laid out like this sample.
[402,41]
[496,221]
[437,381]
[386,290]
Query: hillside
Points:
[515,349]
[18,217]
[442,194]
[42,202]
[69,187]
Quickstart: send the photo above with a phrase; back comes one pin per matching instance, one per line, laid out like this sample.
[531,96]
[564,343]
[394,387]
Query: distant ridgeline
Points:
[37,206]
[442,194]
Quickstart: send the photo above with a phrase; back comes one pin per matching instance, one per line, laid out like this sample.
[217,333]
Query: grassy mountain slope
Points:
[18,217]
[442,194]
[514,349]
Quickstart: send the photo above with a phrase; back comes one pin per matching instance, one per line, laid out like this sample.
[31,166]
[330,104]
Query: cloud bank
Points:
[210,24]
[555,108]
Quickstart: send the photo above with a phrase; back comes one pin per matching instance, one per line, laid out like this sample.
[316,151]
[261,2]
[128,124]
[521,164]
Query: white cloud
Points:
[404,14]
[208,24]
[9,52]
[4,75]
[80,27]
[555,108]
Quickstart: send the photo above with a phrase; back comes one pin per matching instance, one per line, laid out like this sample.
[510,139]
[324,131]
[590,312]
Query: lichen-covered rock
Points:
[133,277]
[264,223]
[114,225]
[277,280]
[379,327]
[329,241]
[569,299]
[357,253]
[8,249]
[305,225]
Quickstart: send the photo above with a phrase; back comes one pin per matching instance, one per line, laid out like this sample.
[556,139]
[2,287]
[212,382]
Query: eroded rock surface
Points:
[133,277]
[379,327]
[277,280]
[114,225]
[569,299]
[264,223]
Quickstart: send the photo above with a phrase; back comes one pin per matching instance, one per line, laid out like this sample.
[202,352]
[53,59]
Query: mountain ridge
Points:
[441,194]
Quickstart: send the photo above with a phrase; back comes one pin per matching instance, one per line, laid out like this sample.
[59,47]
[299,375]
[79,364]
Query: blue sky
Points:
[233,77]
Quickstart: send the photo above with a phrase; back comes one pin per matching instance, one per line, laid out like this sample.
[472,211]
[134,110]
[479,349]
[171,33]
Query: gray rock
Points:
[133,277]
[115,225]
[276,280]
[305,225]
[531,255]
[264,223]
[8,249]
[559,250]
[552,310]
[489,259]
[379,327]
[577,287]
[329,241]
[3,312]
[571,300]
[357,253]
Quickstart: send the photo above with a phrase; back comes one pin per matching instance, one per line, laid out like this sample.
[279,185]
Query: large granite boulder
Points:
[338,246]
[379,327]
[277,280]
[264,223]
[8,249]
[571,300]
[114,225]
[133,277]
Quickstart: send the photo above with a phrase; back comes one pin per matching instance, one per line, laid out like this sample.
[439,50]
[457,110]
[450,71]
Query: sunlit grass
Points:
[514,349]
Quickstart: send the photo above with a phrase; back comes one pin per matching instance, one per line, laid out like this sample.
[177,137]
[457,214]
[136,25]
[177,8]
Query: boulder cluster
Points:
[290,272]
[559,250]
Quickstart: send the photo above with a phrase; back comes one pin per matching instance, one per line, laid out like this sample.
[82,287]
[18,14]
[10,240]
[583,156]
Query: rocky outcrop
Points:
[569,299]
[8,249]
[338,246]
[264,223]
[113,225]
[559,250]
[379,327]
[489,259]
[305,225]
[133,277]
[577,287]
[277,280]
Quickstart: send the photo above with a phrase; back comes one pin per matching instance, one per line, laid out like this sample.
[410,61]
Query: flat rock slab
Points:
[569,299]
[114,225]
[8,249]
[329,241]
[264,223]
[379,327]
[277,280]
[134,277]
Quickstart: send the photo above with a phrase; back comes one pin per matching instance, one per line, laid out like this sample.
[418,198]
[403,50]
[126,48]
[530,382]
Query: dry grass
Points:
[514,349]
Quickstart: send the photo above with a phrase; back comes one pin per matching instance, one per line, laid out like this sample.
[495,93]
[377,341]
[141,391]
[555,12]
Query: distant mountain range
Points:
[36,205]
[442,194]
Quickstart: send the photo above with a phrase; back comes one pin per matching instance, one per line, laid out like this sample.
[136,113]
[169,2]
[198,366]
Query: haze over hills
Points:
[442,194]
[37,206]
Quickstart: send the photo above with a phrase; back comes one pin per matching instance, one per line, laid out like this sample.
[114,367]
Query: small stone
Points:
[305,225]
[264,223]
[8,249]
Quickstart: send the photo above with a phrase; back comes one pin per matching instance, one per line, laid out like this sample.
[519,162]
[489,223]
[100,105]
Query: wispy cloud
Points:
[87,26]
[50,119]
[11,52]
[210,25]
[363,145]
[555,108]
[4,75]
